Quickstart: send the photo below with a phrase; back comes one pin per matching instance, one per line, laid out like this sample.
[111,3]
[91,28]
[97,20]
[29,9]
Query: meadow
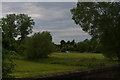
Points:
[59,62]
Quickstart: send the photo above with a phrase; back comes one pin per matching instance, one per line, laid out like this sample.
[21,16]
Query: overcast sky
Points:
[54,17]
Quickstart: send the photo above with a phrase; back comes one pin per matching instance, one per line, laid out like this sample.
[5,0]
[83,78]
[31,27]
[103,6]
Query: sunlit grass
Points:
[78,59]
[78,55]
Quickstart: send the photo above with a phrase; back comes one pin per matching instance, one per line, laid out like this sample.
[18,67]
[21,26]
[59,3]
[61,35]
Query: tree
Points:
[68,43]
[8,26]
[72,42]
[8,45]
[62,42]
[101,21]
[12,25]
[8,49]
[24,24]
[82,47]
[39,46]
[67,46]
[17,24]
[94,45]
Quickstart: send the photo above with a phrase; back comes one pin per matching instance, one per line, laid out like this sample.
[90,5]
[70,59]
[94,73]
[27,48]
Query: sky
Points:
[54,17]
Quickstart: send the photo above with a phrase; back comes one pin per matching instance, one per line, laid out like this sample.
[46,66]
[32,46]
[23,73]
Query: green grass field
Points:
[59,62]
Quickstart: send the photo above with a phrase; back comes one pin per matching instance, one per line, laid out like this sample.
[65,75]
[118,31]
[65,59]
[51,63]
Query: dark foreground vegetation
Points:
[104,73]
[100,20]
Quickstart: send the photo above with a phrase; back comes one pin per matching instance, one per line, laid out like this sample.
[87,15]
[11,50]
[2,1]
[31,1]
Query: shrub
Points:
[82,47]
[7,64]
[39,45]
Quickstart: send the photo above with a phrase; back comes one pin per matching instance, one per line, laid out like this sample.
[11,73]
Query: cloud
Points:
[49,16]
[48,12]
[69,31]
[66,34]
[40,1]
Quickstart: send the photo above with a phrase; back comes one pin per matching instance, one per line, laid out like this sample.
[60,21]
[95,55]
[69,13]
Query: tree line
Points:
[88,46]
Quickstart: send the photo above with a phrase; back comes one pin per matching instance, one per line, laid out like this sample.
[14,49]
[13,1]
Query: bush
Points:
[39,45]
[82,47]
[7,64]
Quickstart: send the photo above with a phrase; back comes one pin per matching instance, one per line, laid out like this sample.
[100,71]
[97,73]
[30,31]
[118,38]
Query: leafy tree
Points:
[17,24]
[24,24]
[13,25]
[68,43]
[8,50]
[62,42]
[70,48]
[82,46]
[72,42]
[67,46]
[8,26]
[39,45]
[64,48]
[94,45]
[100,20]
[57,47]
[8,46]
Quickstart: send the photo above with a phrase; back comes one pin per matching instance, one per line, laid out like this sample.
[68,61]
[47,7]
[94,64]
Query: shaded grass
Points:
[59,62]
[30,69]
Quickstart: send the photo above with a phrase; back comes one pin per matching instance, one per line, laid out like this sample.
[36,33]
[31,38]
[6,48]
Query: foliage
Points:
[7,63]
[14,25]
[39,45]
[67,46]
[62,42]
[90,45]
[82,47]
[8,49]
[101,21]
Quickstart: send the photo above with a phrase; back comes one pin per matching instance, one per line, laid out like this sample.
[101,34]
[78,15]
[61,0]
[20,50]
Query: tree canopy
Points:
[14,25]
[101,20]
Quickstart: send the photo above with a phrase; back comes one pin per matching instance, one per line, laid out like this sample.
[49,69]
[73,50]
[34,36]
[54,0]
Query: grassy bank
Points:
[59,62]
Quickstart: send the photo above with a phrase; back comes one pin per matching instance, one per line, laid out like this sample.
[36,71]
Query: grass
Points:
[78,59]
[30,69]
[59,62]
